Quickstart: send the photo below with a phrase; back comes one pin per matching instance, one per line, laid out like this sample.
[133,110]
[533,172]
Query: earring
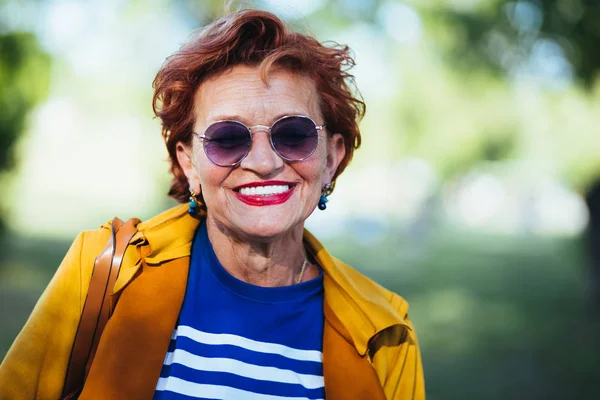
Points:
[326,191]
[193,204]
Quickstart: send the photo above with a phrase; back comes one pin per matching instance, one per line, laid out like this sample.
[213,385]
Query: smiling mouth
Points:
[264,190]
[265,194]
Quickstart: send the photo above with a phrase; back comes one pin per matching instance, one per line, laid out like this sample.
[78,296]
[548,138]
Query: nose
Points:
[262,159]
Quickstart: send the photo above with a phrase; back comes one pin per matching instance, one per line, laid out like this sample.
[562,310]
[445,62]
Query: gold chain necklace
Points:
[302,271]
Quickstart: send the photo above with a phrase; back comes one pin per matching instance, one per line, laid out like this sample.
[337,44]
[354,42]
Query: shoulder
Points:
[171,224]
[168,230]
[92,241]
[159,221]
[165,236]
[364,307]
[378,325]
[342,276]
[372,289]
[165,218]
[369,289]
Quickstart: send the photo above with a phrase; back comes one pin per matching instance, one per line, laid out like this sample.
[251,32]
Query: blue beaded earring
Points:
[326,191]
[193,204]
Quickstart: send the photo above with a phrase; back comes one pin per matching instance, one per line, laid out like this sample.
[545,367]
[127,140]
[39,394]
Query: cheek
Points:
[321,165]
[313,171]
[209,174]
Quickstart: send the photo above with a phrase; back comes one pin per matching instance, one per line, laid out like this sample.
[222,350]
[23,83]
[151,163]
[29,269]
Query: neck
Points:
[268,262]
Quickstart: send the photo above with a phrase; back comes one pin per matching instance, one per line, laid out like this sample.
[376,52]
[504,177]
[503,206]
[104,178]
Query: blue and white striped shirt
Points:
[239,341]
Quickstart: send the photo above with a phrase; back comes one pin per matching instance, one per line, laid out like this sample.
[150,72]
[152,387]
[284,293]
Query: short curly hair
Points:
[253,38]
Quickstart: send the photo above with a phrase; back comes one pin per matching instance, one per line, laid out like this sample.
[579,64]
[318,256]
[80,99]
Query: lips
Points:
[265,193]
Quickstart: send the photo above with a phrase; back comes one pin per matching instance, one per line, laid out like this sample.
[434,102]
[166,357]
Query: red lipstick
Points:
[265,200]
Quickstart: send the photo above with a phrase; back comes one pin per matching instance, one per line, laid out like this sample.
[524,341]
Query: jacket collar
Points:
[362,307]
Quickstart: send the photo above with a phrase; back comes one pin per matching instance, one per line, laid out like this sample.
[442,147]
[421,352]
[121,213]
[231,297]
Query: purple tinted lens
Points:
[294,138]
[227,142]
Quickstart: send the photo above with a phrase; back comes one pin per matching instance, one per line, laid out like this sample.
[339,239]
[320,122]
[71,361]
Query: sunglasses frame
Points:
[204,139]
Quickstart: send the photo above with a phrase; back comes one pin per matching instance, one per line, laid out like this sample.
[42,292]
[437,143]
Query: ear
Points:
[335,154]
[188,165]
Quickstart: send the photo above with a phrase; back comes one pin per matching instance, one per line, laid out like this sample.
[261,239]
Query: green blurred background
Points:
[468,196]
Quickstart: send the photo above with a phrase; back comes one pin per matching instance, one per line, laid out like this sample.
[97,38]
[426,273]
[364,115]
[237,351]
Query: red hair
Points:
[253,38]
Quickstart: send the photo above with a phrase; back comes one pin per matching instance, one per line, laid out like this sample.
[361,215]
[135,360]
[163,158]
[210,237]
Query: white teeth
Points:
[264,190]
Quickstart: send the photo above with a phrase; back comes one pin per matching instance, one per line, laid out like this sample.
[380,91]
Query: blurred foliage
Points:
[24,80]
[204,12]
[503,35]
[24,73]
[488,81]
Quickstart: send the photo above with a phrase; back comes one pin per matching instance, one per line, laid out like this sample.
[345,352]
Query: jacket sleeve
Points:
[35,365]
[399,358]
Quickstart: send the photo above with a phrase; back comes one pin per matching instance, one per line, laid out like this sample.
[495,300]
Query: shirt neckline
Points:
[208,259]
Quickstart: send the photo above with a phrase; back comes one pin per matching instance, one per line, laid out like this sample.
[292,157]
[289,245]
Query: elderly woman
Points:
[228,296]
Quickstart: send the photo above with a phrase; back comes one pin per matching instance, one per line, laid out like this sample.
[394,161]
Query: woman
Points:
[228,297]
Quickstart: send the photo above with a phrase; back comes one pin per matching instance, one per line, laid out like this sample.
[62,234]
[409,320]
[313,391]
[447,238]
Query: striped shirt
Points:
[239,341]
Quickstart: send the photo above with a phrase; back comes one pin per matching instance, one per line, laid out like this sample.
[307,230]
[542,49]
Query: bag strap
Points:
[97,308]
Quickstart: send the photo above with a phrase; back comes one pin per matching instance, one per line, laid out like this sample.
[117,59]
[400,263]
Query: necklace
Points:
[302,271]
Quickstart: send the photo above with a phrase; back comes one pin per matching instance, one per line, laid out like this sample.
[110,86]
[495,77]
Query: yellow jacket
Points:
[370,349]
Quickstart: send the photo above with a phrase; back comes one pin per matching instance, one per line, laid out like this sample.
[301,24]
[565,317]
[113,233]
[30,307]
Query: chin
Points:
[266,228]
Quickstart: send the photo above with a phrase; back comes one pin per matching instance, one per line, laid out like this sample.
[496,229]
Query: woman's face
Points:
[241,95]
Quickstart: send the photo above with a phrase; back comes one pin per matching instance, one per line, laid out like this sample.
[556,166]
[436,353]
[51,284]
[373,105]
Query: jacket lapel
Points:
[363,307]
[134,343]
[347,374]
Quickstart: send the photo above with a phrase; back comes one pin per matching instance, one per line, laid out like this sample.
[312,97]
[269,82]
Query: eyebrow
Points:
[243,120]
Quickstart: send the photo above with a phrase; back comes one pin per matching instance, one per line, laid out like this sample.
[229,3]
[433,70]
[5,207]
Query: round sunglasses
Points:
[228,142]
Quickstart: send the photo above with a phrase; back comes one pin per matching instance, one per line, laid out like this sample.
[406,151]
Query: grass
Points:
[497,317]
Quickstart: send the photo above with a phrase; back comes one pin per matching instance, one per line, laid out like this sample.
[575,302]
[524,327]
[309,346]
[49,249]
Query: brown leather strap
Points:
[88,321]
[123,236]
[96,310]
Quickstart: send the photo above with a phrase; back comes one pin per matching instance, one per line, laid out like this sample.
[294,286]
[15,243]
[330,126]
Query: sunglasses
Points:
[293,138]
